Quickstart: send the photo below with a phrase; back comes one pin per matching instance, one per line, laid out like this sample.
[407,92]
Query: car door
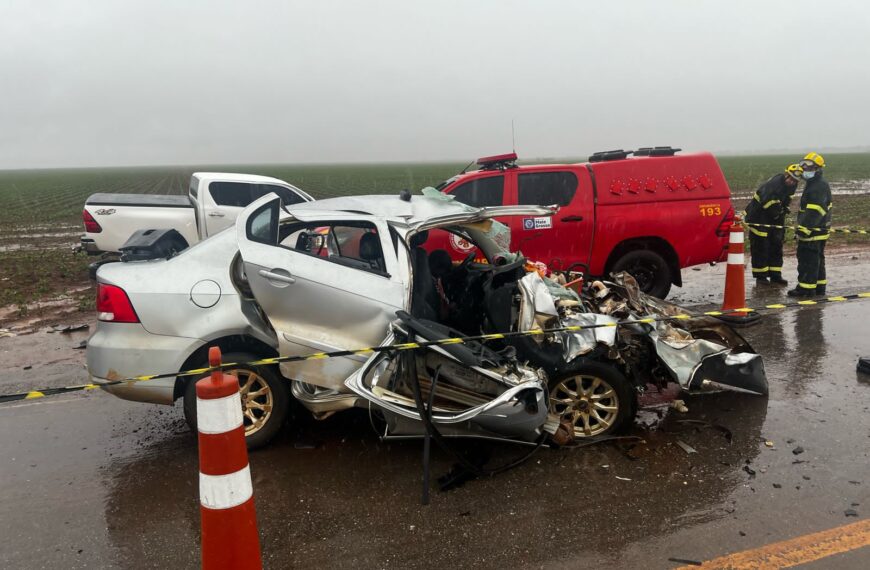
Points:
[316,302]
[565,239]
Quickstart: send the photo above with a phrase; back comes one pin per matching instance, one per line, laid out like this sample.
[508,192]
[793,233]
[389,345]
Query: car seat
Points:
[424,299]
[370,250]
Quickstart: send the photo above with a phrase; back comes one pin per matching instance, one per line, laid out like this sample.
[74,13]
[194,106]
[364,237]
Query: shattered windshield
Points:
[491,237]
[442,185]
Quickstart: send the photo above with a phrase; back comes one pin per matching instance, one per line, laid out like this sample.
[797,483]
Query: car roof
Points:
[388,206]
[236,177]
[418,211]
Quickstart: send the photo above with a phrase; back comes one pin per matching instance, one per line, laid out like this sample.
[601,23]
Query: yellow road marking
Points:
[801,550]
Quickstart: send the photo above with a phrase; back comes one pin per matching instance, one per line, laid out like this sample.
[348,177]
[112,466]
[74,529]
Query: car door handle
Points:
[216,214]
[572,219]
[276,276]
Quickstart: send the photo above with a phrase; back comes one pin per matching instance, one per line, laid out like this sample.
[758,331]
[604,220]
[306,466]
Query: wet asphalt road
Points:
[90,481]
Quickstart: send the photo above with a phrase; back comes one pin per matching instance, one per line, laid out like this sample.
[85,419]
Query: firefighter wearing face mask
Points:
[813,229]
[769,207]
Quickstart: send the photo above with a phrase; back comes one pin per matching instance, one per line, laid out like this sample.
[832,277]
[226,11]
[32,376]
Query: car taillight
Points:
[91,225]
[726,223]
[113,305]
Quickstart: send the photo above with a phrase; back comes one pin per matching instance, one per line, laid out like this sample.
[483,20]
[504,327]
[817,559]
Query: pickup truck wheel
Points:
[596,398]
[265,399]
[650,270]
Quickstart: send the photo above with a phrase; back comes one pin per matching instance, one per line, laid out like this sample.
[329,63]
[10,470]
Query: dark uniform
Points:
[813,230]
[768,206]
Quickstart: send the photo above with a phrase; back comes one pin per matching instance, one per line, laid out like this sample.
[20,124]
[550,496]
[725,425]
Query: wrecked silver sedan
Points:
[358,272]
[354,273]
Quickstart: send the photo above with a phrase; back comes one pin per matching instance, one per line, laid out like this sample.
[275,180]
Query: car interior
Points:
[474,297]
[348,243]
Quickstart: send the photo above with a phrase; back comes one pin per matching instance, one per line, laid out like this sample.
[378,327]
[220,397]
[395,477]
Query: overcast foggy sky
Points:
[93,83]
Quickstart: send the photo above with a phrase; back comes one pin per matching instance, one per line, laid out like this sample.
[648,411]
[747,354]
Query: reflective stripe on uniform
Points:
[760,269]
[757,198]
[805,230]
[770,203]
[822,282]
[807,285]
[777,269]
[822,237]
[817,208]
[757,232]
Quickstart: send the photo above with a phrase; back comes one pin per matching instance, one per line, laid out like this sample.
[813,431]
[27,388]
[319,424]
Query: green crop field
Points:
[30,197]
[748,172]
[38,196]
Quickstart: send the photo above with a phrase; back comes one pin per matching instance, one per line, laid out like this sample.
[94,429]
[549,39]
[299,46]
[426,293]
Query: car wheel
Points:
[595,398]
[649,269]
[265,399]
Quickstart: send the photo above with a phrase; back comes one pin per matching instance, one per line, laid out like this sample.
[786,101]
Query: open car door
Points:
[326,283]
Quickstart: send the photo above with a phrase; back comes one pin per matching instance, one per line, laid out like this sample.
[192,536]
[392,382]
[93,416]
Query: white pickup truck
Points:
[212,204]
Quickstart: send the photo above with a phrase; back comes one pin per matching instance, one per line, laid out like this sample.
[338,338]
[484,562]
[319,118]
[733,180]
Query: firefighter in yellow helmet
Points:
[813,229]
[768,208]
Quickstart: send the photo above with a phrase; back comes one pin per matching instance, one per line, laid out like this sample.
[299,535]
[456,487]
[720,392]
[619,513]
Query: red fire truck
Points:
[650,212]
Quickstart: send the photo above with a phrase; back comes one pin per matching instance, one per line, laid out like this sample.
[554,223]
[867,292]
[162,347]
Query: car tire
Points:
[595,397]
[649,269]
[264,414]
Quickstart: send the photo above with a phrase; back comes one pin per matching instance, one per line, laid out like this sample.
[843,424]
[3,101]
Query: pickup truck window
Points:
[547,188]
[481,192]
[240,194]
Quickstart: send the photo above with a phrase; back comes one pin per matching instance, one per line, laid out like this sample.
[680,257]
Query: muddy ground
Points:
[90,481]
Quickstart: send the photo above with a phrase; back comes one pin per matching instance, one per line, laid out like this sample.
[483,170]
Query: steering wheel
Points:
[510,266]
[467,261]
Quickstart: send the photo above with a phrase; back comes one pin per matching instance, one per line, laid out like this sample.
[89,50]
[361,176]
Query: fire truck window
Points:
[547,188]
[481,192]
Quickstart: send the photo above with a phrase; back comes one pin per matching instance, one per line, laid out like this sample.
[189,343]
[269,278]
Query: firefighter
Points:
[768,207]
[813,229]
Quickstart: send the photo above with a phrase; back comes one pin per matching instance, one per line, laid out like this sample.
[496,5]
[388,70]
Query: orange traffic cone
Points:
[735,286]
[229,524]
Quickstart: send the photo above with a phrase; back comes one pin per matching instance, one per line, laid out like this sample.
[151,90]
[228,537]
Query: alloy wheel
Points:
[257,400]
[590,403]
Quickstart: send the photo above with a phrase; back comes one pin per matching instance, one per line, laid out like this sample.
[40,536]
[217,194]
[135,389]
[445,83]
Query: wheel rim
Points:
[257,400]
[643,273]
[588,402]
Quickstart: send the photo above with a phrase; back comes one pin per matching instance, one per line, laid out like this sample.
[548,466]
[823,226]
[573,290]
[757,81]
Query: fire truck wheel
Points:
[649,269]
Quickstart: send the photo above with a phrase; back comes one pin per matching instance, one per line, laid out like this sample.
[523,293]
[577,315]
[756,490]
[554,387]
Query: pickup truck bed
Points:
[213,201]
[155,200]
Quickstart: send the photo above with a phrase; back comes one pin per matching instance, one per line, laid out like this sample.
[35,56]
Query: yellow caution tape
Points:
[742,311]
[859,231]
